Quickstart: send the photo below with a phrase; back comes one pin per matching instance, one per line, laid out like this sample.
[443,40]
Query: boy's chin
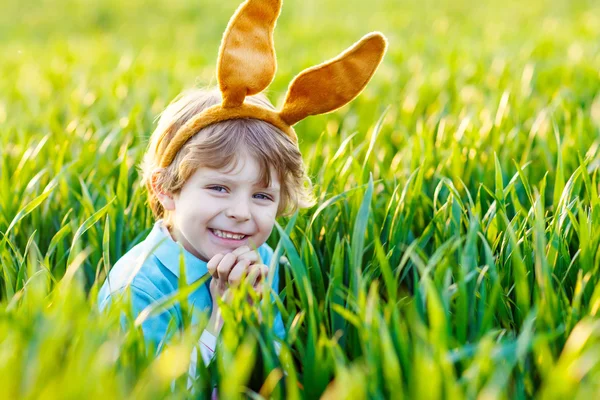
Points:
[225,250]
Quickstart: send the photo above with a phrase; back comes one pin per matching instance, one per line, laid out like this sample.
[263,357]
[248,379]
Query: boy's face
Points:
[214,204]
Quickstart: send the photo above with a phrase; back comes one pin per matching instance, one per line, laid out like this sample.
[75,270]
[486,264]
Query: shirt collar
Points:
[168,252]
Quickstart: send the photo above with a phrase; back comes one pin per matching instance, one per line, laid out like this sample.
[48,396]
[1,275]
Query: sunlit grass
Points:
[454,248]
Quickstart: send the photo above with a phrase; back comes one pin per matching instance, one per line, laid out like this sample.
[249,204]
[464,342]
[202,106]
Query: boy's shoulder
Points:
[141,269]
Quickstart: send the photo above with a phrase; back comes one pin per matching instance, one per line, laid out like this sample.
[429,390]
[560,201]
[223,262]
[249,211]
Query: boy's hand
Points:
[231,268]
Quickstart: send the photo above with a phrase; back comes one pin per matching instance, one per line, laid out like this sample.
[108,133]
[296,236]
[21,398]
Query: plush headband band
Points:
[246,66]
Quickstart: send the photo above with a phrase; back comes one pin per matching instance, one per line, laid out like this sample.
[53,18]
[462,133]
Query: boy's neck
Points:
[167,231]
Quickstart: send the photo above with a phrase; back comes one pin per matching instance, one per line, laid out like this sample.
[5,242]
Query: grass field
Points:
[454,249]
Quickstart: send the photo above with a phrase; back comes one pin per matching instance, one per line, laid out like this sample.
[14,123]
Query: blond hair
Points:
[217,145]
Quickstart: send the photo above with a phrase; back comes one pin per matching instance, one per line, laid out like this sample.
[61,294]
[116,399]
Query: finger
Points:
[225,266]
[219,286]
[252,256]
[261,279]
[253,272]
[257,273]
[263,271]
[227,296]
[241,250]
[247,253]
[257,283]
[213,263]
[238,271]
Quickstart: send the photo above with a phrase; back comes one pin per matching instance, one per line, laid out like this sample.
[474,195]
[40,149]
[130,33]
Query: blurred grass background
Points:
[480,226]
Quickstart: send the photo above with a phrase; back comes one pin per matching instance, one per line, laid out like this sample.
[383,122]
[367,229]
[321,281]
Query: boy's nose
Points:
[238,210]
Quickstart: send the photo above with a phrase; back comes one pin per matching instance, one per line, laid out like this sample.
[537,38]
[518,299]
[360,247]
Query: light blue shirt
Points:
[158,276]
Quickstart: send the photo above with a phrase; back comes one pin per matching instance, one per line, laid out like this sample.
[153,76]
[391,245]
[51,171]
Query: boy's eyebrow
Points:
[224,178]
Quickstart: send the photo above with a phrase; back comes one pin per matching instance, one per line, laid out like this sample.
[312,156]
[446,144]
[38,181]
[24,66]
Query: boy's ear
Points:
[165,198]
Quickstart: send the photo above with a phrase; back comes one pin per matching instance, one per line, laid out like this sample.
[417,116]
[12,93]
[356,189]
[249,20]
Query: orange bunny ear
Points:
[331,85]
[246,63]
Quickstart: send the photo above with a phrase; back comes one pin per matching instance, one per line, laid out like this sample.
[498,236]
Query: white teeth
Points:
[227,235]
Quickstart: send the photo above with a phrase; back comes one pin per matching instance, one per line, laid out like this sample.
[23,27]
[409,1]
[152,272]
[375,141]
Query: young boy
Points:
[223,164]
[218,199]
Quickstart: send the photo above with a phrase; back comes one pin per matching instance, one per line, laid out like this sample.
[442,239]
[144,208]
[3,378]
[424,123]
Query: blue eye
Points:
[264,196]
[218,188]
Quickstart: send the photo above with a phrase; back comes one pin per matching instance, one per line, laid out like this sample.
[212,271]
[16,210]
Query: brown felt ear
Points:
[246,63]
[329,86]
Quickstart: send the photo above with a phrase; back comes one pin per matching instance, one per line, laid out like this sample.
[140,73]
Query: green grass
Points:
[453,252]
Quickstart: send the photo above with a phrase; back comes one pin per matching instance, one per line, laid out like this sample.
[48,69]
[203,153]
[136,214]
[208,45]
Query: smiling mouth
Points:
[228,235]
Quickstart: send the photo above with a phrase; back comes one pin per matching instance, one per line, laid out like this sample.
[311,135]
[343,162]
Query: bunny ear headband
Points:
[246,66]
